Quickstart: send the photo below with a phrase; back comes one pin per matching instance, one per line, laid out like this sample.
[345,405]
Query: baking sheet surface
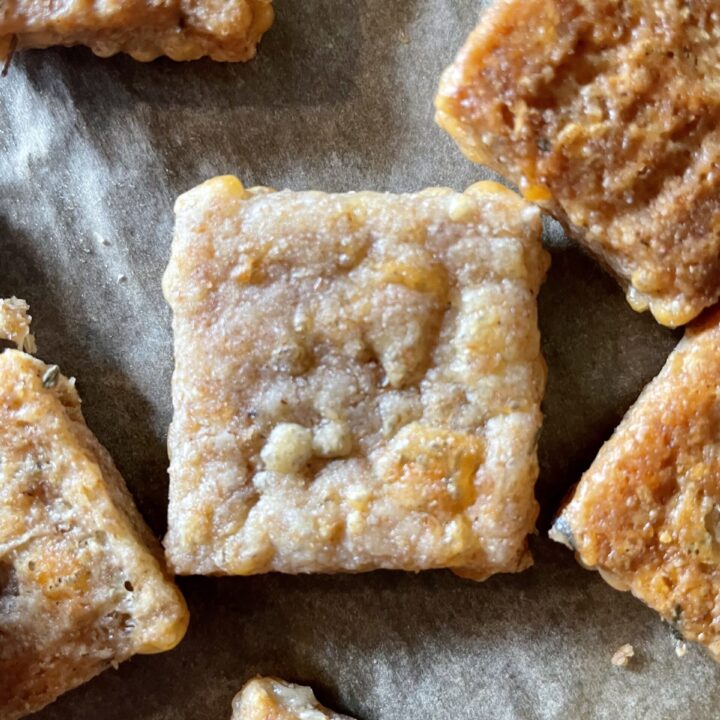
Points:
[92,155]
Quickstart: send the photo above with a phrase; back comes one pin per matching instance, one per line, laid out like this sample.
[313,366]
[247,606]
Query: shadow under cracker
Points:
[582,405]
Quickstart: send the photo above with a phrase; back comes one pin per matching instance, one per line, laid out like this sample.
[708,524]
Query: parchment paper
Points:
[93,153]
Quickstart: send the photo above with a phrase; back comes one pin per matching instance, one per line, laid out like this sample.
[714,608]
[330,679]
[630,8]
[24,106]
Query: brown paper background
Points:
[340,98]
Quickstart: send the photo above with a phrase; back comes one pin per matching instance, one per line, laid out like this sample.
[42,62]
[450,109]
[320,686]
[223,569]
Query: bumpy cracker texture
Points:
[273,699]
[226,30]
[606,113]
[358,380]
[82,585]
[647,513]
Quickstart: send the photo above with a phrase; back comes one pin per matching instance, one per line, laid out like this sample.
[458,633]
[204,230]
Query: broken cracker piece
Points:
[266,698]
[224,30]
[15,322]
[606,114]
[647,512]
[622,656]
[82,580]
[358,380]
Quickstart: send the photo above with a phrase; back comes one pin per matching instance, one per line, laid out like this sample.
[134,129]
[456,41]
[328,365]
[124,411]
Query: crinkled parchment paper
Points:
[93,153]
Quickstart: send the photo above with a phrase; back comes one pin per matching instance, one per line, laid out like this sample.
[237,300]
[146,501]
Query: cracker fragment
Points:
[358,380]
[82,580]
[15,322]
[224,30]
[647,512]
[265,698]
[605,113]
[623,655]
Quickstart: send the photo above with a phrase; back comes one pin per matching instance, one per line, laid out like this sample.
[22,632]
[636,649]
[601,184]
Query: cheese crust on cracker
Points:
[357,383]
[647,513]
[606,114]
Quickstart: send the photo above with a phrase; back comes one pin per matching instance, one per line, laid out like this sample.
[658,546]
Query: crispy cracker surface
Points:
[82,584]
[647,513]
[225,30]
[606,114]
[266,698]
[358,380]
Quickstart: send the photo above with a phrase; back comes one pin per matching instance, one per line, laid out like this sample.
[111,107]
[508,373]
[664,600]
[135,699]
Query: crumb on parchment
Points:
[622,656]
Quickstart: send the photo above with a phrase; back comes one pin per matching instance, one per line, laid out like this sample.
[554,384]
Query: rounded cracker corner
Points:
[219,187]
[167,634]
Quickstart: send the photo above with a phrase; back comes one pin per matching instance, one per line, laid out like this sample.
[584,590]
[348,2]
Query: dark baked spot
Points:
[8,579]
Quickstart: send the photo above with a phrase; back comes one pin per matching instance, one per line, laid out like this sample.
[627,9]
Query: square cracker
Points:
[357,383]
[265,698]
[606,114]
[82,584]
[226,30]
[647,513]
